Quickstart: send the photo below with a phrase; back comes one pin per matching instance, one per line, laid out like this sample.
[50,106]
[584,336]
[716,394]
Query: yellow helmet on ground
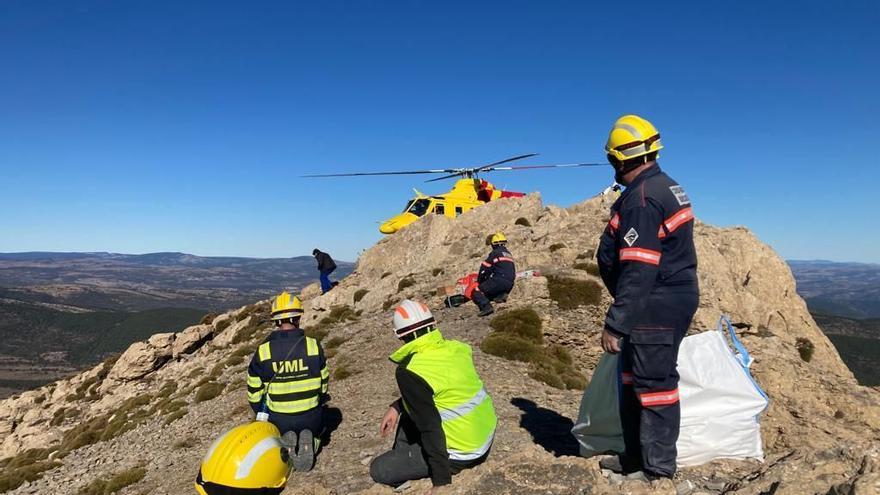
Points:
[244,460]
[632,137]
[285,306]
[498,238]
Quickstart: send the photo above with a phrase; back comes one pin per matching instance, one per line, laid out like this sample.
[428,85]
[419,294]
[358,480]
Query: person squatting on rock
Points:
[326,265]
[648,262]
[288,379]
[444,420]
[496,276]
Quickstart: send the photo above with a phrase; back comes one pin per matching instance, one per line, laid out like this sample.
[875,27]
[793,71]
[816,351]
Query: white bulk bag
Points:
[720,401]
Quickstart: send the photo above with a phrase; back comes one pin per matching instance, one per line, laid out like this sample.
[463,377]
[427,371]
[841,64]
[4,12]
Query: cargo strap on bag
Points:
[741,354]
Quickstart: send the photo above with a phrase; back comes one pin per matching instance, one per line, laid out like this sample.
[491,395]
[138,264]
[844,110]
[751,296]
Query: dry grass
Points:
[359,294]
[591,268]
[209,391]
[571,293]
[510,347]
[524,323]
[556,247]
[805,348]
[405,282]
[114,484]
[26,466]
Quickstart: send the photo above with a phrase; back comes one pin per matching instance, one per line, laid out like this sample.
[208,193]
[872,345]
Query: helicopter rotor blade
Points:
[405,172]
[511,159]
[563,165]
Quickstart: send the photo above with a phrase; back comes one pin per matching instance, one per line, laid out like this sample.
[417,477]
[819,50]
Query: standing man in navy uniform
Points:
[648,262]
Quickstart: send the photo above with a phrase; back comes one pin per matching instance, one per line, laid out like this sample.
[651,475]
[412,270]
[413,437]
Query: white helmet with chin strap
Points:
[412,316]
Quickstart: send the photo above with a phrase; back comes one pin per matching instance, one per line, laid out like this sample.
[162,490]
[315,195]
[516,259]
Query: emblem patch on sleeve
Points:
[631,237]
[680,195]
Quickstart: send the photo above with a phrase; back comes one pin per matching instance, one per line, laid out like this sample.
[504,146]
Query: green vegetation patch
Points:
[405,282]
[387,305]
[26,466]
[117,482]
[359,294]
[343,369]
[523,322]
[517,336]
[209,391]
[571,293]
[591,268]
[337,315]
[175,416]
[805,348]
[556,247]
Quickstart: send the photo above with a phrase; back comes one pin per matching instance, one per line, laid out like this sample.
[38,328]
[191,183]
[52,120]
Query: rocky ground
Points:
[162,403]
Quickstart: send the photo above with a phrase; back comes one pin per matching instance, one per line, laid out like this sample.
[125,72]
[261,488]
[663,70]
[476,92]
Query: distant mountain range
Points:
[115,282]
[844,289]
[60,312]
[844,299]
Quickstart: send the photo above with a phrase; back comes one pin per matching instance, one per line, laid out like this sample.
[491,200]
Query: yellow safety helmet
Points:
[245,459]
[285,306]
[632,137]
[498,238]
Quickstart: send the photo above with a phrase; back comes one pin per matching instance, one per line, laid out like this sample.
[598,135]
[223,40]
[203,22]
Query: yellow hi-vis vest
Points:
[466,410]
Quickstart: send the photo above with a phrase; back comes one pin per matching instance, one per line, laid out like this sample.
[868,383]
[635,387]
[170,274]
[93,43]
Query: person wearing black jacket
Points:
[326,265]
[648,262]
[496,276]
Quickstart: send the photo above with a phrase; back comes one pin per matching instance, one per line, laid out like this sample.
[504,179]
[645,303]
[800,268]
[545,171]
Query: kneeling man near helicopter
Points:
[496,276]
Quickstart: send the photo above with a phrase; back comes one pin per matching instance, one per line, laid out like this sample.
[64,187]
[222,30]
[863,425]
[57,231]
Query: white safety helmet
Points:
[412,316]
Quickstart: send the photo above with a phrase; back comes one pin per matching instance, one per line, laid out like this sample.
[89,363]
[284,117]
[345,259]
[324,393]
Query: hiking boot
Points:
[619,464]
[486,311]
[406,485]
[288,443]
[643,476]
[305,452]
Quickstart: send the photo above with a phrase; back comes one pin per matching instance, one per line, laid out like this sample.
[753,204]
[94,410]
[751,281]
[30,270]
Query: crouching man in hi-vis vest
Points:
[445,420]
[287,381]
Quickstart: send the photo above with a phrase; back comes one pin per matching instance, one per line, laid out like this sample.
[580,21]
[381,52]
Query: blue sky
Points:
[184,126]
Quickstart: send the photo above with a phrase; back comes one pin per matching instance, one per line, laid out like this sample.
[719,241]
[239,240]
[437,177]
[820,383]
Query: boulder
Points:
[191,339]
[143,358]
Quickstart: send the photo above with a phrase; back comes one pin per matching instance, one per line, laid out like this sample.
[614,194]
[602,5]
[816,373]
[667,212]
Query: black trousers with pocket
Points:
[488,290]
[650,413]
[406,461]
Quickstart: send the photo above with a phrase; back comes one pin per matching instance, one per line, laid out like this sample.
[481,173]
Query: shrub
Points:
[114,484]
[232,360]
[509,346]
[547,375]
[359,294]
[436,271]
[805,348]
[317,332]
[222,325]
[343,370]
[185,443]
[556,247]
[209,391]
[591,268]
[208,319]
[574,380]
[405,282]
[385,275]
[167,389]
[387,305]
[570,293]
[524,323]
[523,221]
[560,353]
[22,468]
[175,415]
[588,254]
[334,342]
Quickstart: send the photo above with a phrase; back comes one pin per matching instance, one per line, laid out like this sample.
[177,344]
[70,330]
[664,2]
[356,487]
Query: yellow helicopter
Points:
[468,192]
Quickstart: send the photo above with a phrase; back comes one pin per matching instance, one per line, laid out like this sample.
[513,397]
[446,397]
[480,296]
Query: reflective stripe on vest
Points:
[311,346]
[459,411]
[476,454]
[265,352]
[293,406]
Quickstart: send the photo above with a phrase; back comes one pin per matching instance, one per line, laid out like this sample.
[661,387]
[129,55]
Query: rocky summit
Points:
[141,423]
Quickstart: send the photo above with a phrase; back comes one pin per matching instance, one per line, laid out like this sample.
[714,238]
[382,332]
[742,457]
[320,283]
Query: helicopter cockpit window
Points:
[418,207]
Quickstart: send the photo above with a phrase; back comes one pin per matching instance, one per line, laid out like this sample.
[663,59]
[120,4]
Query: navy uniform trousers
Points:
[650,412]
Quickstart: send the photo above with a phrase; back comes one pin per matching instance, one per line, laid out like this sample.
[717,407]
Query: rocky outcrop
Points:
[821,431]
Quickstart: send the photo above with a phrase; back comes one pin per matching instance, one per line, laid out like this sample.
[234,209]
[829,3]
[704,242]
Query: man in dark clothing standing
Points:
[648,262]
[496,276]
[326,265]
